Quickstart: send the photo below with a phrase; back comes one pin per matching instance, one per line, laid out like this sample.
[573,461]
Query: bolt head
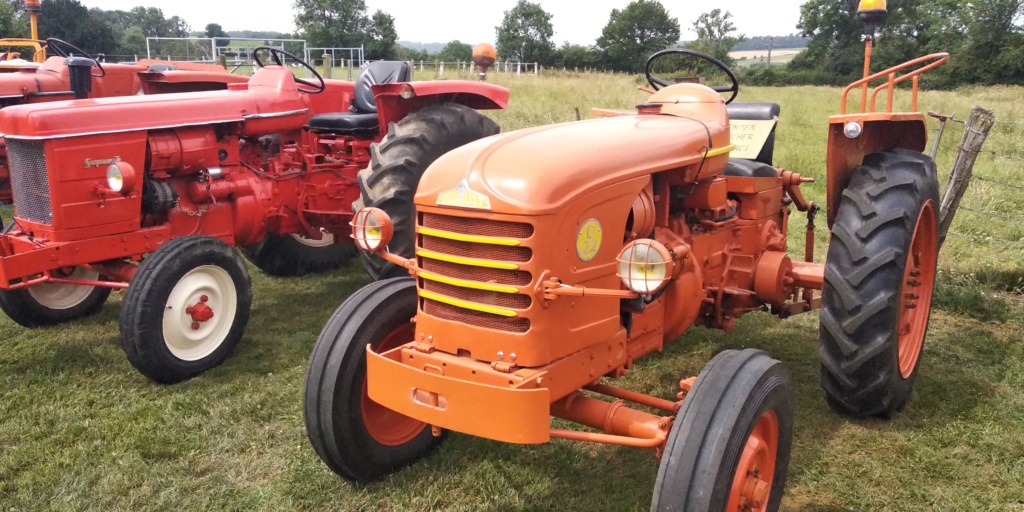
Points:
[195,326]
[204,298]
[512,356]
[501,355]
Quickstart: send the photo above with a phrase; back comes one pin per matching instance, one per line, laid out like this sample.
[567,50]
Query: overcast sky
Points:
[440,21]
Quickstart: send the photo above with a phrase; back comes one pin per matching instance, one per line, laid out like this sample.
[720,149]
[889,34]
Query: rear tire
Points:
[292,255]
[398,162]
[185,309]
[879,275]
[357,438]
[47,304]
[731,440]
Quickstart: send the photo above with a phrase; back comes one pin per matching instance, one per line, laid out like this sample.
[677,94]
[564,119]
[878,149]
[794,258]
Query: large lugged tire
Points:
[879,275]
[356,437]
[185,309]
[292,255]
[729,445]
[398,162]
[53,303]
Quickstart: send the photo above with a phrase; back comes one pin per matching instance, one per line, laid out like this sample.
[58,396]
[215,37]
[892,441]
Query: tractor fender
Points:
[397,100]
[881,131]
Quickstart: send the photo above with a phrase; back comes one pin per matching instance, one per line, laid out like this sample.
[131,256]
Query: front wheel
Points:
[356,437]
[879,275]
[185,309]
[47,304]
[729,445]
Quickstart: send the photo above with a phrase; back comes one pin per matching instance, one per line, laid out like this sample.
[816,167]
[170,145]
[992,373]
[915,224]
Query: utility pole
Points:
[771,43]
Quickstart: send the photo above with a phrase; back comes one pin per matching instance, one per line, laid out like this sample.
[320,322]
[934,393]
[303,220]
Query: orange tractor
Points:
[151,194]
[550,258]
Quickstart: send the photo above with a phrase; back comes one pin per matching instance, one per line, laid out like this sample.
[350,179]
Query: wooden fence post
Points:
[976,129]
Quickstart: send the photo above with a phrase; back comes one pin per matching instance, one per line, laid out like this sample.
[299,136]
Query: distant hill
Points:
[428,47]
[763,42]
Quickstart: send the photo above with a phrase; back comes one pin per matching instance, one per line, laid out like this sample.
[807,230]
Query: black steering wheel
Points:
[658,83]
[276,54]
[65,49]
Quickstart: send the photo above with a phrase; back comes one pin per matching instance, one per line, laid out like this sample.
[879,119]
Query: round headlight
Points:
[853,130]
[115,178]
[372,229]
[645,266]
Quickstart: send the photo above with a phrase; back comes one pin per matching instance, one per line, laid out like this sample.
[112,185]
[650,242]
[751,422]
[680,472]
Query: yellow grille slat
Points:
[462,283]
[508,313]
[490,240]
[462,260]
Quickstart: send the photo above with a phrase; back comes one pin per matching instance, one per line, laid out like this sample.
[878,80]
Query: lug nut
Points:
[204,298]
[195,326]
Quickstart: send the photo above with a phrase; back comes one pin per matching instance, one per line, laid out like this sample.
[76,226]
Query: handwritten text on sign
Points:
[749,137]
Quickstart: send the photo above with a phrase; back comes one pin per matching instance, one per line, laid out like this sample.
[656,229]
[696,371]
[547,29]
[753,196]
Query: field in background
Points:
[750,58]
[80,428]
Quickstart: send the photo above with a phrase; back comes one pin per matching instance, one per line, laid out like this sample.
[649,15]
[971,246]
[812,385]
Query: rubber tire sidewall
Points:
[20,306]
[284,256]
[141,321]
[334,381]
[709,432]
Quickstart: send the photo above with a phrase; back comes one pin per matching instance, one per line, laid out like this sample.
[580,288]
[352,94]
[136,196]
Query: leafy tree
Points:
[332,23]
[525,34]
[405,53]
[632,34]
[8,17]
[381,37]
[215,30]
[132,42]
[456,51]
[573,56]
[715,35]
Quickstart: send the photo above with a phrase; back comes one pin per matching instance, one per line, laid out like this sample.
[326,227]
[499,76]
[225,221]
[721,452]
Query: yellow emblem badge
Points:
[588,240]
[464,197]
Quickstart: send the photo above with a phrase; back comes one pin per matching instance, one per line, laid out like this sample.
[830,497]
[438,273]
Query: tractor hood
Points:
[539,170]
[31,80]
[270,93]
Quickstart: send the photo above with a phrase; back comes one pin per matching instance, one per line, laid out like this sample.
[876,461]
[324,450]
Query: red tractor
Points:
[73,74]
[550,258]
[152,193]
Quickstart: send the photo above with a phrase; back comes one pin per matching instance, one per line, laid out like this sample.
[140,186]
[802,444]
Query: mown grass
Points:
[81,429]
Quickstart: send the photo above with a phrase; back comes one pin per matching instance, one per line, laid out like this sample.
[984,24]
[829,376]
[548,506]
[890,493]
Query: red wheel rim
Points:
[385,426]
[752,482]
[916,293]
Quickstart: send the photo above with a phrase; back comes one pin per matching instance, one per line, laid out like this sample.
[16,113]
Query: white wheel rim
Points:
[328,239]
[61,296]
[186,337]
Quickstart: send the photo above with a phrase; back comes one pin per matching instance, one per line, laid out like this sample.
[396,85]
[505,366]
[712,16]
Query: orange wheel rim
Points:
[752,482]
[384,425]
[916,292]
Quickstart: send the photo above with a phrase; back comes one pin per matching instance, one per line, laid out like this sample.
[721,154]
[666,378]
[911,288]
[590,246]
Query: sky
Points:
[440,21]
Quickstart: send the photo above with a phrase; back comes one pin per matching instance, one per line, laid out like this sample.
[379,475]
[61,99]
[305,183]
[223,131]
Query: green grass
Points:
[81,429]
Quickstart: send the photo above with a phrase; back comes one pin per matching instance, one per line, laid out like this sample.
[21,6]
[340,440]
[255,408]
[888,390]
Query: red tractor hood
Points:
[271,92]
[540,170]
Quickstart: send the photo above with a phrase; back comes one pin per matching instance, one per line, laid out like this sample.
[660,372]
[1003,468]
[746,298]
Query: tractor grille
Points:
[466,265]
[29,182]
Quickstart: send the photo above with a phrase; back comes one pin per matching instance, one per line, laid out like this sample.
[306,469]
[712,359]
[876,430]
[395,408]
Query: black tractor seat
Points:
[362,115]
[749,169]
[760,167]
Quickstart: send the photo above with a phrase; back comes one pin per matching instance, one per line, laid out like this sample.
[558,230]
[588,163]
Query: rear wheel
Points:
[55,303]
[397,163]
[356,437]
[185,309]
[879,275]
[729,445]
[294,255]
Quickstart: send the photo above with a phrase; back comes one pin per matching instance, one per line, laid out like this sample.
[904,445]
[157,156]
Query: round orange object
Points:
[484,55]
[752,482]
[388,427]
[918,281]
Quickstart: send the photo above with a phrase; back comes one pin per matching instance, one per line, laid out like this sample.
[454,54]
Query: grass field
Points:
[81,429]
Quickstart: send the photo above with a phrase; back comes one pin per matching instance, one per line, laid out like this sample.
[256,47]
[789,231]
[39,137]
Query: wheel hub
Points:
[918,281]
[752,483]
[199,313]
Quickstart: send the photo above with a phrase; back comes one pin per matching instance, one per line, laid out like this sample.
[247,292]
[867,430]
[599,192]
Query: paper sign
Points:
[749,137]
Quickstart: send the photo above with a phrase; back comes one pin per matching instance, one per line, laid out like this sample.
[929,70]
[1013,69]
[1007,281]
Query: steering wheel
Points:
[658,83]
[276,54]
[65,49]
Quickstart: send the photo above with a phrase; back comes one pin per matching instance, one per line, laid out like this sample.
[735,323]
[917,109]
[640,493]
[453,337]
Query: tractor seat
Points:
[749,169]
[757,112]
[362,115]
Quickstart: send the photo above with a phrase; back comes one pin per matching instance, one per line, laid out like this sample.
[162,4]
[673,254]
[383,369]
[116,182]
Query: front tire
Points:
[398,162]
[729,445]
[357,438]
[879,275]
[292,255]
[47,304]
[185,309]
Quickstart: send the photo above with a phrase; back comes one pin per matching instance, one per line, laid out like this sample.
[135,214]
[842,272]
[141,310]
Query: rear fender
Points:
[391,106]
[881,132]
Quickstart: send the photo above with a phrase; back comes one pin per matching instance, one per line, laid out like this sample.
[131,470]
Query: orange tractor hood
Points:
[271,92]
[537,171]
